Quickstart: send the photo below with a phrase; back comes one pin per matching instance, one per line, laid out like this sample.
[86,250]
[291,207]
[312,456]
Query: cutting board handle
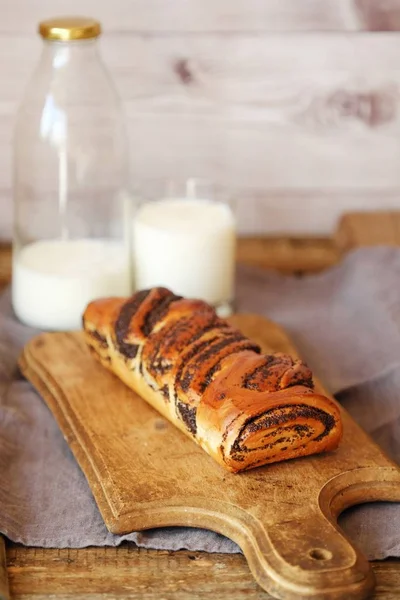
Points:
[308,557]
[305,556]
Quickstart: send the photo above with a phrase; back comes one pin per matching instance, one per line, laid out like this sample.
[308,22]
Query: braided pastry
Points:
[244,408]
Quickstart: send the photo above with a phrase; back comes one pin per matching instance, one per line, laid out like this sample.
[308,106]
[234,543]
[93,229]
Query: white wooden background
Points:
[291,105]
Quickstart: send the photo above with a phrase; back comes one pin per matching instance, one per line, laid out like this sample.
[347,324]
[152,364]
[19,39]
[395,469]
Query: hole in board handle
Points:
[320,554]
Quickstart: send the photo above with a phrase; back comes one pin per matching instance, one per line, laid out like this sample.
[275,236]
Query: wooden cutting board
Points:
[145,473]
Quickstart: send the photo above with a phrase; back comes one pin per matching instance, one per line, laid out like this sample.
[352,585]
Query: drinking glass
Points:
[184,238]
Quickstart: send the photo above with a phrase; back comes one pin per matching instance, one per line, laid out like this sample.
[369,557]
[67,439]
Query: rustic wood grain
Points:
[288,255]
[278,214]
[304,214]
[164,73]
[5,264]
[356,230]
[122,454]
[136,574]
[4,589]
[149,16]
[302,139]
[379,16]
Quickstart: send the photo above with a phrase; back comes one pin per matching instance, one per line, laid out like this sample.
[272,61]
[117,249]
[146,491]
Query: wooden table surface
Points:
[131,573]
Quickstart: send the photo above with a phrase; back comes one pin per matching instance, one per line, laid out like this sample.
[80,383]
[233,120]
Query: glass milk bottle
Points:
[70,182]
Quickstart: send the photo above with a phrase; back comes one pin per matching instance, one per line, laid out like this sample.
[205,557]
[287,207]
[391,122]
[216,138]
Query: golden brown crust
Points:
[245,409]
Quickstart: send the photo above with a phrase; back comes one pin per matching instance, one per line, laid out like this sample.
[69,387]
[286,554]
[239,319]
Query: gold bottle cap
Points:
[65,29]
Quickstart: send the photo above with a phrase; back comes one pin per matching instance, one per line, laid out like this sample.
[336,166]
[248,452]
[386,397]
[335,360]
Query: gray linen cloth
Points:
[346,325]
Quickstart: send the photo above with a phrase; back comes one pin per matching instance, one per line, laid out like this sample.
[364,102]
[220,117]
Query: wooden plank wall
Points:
[291,106]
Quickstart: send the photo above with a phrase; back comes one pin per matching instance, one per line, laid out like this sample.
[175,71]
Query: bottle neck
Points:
[72,72]
[79,54]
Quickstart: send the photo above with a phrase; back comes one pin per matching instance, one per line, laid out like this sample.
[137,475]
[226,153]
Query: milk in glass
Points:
[186,245]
